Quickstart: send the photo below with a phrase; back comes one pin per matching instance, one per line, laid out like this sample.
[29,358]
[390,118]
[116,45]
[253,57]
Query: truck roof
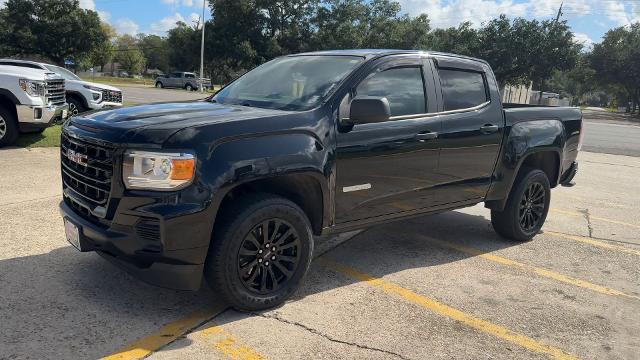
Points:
[374,53]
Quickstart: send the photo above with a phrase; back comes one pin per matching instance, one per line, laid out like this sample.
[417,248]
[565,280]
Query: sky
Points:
[589,19]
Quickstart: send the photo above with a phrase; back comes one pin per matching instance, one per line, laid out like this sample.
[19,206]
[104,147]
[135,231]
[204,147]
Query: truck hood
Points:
[78,84]
[25,73]
[163,119]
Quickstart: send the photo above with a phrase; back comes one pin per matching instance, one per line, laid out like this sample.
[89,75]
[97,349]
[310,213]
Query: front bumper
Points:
[40,116]
[103,105]
[124,246]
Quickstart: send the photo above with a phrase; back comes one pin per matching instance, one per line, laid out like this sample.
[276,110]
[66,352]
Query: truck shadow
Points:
[90,308]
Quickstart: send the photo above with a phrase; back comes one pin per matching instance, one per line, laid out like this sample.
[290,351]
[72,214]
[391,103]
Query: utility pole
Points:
[202,51]
[559,12]
[554,24]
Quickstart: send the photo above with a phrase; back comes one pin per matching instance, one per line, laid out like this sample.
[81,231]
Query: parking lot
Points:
[444,286]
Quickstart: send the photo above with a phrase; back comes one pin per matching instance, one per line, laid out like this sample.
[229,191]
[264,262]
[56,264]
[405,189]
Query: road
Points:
[611,134]
[438,287]
[605,132]
[146,94]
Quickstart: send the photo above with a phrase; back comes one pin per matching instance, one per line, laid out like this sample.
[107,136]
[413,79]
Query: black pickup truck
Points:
[234,188]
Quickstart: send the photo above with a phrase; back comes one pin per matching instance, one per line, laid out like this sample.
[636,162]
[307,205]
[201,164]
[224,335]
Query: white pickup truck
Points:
[30,100]
[81,95]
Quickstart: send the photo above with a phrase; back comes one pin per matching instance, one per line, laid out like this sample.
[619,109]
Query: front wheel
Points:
[189,87]
[527,207]
[8,128]
[76,107]
[159,85]
[260,252]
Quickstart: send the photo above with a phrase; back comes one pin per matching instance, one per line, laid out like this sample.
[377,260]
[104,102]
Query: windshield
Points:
[289,83]
[66,74]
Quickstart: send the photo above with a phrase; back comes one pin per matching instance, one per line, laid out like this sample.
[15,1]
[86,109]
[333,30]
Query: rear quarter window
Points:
[462,89]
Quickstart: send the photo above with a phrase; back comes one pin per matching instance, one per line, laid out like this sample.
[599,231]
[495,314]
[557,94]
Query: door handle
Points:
[427,135]
[489,128]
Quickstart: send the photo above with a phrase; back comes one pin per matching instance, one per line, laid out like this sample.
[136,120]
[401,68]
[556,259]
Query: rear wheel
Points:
[189,87]
[8,128]
[260,253]
[527,207]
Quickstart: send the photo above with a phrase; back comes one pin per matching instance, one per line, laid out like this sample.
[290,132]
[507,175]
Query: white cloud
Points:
[583,39]
[126,26]
[443,13]
[104,16]
[452,13]
[616,12]
[2,2]
[88,4]
[166,23]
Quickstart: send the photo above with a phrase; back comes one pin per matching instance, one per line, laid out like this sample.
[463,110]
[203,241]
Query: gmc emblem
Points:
[80,159]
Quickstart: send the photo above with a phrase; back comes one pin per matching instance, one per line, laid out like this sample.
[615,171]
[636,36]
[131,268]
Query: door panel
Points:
[471,136]
[386,168]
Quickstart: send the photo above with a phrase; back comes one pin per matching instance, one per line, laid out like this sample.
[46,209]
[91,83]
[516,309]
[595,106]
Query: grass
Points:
[50,137]
[119,80]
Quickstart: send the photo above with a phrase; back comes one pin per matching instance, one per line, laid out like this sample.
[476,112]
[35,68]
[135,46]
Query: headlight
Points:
[157,170]
[33,88]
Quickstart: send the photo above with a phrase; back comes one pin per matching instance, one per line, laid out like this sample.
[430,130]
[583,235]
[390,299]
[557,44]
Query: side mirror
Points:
[369,109]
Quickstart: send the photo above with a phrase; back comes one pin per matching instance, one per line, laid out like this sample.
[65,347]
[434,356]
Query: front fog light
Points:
[158,171]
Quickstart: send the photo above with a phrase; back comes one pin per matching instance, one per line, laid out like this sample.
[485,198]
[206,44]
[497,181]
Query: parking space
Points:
[134,95]
[444,286]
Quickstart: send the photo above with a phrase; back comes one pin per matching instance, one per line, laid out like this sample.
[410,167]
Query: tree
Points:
[128,54]
[104,52]
[617,60]
[462,40]
[62,31]
[155,50]
[183,43]
[551,48]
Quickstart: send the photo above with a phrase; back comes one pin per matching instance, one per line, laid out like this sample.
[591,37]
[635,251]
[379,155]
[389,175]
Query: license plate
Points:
[64,114]
[72,233]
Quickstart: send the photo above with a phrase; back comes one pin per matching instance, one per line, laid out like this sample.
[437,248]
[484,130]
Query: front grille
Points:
[54,92]
[91,180]
[112,96]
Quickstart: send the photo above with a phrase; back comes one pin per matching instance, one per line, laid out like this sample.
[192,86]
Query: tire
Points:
[238,258]
[188,87]
[527,206]
[159,85]
[76,106]
[8,128]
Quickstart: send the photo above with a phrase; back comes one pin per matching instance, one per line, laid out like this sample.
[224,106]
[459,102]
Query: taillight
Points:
[581,138]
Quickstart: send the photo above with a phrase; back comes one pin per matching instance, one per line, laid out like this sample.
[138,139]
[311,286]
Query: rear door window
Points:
[403,87]
[462,89]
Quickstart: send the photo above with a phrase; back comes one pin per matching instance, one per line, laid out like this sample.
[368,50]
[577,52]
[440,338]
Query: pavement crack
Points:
[328,337]
[587,217]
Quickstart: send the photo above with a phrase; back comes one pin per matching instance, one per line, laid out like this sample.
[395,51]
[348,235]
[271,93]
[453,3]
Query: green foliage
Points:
[62,31]
[155,50]
[128,54]
[617,60]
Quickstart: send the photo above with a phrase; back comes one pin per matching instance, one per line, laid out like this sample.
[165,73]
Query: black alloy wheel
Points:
[526,207]
[532,206]
[269,256]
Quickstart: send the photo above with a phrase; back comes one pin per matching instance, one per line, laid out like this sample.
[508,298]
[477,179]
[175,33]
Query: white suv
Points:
[81,95]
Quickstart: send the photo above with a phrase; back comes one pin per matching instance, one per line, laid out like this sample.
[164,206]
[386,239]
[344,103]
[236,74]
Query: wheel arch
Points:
[303,189]
[78,96]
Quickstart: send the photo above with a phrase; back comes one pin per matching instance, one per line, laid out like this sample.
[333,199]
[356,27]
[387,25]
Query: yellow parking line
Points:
[590,241]
[536,270]
[168,333]
[448,311]
[227,344]
[577,214]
